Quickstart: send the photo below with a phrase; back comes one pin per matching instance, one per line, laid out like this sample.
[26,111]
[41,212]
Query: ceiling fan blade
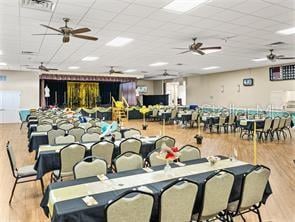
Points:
[200,52]
[54,29]
[183,52]
[81,30]
[214,47]
[172,75]
[86,37]
[198,45]
[32,68]
[180,48]
[51,69]
[48,34]
[285,57]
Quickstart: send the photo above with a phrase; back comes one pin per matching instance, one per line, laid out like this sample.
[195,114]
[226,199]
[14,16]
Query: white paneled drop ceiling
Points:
[242,27]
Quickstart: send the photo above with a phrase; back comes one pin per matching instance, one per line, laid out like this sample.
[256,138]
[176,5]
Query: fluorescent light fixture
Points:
[119,42]
[130,70]
[259,59]
[73,67]
[183,5]
[90,58]
[288,31]
[159,64]
[211,68]
[3,64]
[207,51]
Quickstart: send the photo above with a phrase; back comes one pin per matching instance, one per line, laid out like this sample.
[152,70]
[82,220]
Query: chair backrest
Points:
[128,161]
[155,112]
[221,120]
[194,116]
[90,137]
[131,132]
[288,122]
[231,119]
[52,134]
[173,113]
[189,152]
[130,206]
[44,127]
[69,156]
[267,124]
[117,135]
[64,121]
[64,139]
[177,201]
[66,126]
[94,129]
[47,120]
[103,150]
[154,160]
[276,123]
[282,123]
[84,168]
[215,199]
[253,187]
[85,125]
[77,133]
[11,158]
[130,144]
[169,141]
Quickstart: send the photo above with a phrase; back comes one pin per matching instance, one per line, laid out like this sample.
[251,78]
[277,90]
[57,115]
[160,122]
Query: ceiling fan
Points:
[113,71]
[66,32]
[42,68]
[164,74]
[196,47]
[272,57]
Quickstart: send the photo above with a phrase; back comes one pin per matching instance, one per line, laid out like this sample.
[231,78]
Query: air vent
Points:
[276,43]
[43,5]
[28,53]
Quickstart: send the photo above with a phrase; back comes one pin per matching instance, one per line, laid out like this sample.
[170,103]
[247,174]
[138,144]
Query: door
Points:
[9,106]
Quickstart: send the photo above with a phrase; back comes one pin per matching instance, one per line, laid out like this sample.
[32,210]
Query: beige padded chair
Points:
[253,187]
[275,128]
[45,120]
[69,156]
[44,127]
[220,124]
[85,125]
[215,199]
[169,141]
[130,144]
[64,139]
[52,134]
[104,150]
[131,206]
[117,135]
[128,161]
[282,127]
[153,160]
[94,129]
[131,133]
[177,201]
[189,152]
[66,126]
[77,133]
[22,174]
[90,138]
[85,168]
[288,125]
[266,129]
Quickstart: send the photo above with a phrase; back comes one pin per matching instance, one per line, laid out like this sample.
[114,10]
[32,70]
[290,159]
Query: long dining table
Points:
[48,155]
[63,200]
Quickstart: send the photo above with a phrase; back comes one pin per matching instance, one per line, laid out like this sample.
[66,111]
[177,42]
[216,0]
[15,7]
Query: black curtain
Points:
[155,99]
[108,89]
[59,87]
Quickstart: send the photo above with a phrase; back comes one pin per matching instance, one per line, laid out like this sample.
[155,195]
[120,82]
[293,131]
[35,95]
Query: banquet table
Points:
[247,125]
[48,155]
[33,128]
[209,121]
[63,200]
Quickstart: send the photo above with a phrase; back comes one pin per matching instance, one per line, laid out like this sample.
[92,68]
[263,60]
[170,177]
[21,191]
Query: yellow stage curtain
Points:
[82,94]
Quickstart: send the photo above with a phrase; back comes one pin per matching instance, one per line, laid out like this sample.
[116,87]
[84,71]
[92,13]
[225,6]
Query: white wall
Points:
[149,84]
[206,89]
[25,82]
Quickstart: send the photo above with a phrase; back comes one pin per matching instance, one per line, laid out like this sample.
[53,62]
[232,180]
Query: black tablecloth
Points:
[76,210]
[250,125]
[36,140]
[101,115]
[48,161]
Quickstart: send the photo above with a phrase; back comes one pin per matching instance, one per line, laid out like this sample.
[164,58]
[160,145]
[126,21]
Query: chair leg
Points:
[289,132]
[42,185]
[243,217]
[259,215]
[12,192]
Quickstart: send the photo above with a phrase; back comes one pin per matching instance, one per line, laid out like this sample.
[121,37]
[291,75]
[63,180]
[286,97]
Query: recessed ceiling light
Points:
[183,5]
[259,59]
[288,31]
[90,58]
[3,64]
[73,67]
[207,51]
[159,64]
[119,42]
[211,67]
[130,70]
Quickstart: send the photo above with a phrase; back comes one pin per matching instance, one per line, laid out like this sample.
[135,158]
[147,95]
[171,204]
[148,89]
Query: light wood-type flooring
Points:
[277,155]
